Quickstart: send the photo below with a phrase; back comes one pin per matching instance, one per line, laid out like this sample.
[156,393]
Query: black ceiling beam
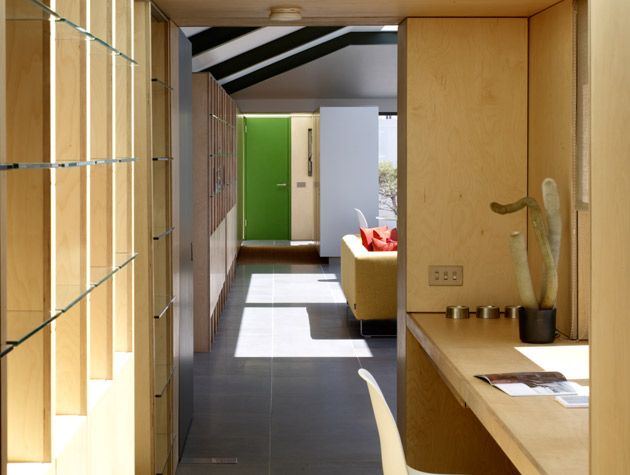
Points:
[311,54]
[269,50]
[215,36]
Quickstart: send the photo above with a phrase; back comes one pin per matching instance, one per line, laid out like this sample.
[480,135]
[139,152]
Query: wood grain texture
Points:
[466,146]
[401,296]
[610,326]
[29,400]
[552,140]
[442,434]
[347,12]
[3,257]
[143,242]
[526,429]
[201,244]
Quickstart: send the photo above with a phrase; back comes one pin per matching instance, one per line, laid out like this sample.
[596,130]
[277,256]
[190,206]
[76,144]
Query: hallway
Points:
[279,391]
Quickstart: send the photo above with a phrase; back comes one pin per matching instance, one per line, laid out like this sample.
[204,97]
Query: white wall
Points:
[288,106]
[302,217]
[348,172]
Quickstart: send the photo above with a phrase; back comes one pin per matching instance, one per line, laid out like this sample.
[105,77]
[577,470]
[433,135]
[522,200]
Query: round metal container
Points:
[457,312]
[488,311]
[511,311]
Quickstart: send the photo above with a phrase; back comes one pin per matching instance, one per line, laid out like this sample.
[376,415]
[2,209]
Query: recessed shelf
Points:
[162,231]
[35,10]
[63,165]
[159,83]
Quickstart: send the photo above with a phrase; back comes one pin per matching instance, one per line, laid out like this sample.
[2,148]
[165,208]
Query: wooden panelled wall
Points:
[215,191]
[488,111]
[156,417]
[610,325]
[68,270]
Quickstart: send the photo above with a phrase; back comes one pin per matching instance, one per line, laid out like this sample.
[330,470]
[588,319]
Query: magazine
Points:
[543,383]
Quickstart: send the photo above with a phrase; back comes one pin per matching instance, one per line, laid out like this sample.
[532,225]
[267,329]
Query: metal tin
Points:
[511,311]
[457,312]
[488,311]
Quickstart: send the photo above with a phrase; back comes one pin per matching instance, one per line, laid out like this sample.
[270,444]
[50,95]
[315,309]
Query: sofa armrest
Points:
[368,279]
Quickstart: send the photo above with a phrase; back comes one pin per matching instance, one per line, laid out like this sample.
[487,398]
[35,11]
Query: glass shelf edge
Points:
[163,310]
[161,83]
[165,233]
[56,17]
[159,394]
[63,165]
[162,159]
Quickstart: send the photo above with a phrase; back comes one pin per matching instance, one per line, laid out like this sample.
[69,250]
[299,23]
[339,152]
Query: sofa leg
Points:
[370,335]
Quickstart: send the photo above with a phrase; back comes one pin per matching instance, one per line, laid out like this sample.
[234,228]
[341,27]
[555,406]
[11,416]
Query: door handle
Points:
[281,184]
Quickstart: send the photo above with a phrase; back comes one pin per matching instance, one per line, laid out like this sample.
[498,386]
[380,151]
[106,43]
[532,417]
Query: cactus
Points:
[548,235]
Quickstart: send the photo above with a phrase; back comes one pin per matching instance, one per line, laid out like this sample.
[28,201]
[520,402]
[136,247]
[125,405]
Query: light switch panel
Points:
[446,275]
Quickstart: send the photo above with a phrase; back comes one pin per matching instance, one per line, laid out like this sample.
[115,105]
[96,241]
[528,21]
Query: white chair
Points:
[361,217]
[392,453]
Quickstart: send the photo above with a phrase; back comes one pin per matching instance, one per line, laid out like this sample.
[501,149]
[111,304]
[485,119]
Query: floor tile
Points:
[279,389]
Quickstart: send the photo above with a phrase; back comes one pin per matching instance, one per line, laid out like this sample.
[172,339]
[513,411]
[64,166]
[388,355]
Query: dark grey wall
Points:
[186,238]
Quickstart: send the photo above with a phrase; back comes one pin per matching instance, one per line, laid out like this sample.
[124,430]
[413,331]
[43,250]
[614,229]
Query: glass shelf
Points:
[223,121]
[163,446]
[23,325]
[68,295]
[161,232]
[64,164]
[161,304]
[163,375]
[30,10]
[159,83]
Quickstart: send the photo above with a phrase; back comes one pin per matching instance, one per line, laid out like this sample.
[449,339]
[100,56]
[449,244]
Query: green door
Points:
[268,178]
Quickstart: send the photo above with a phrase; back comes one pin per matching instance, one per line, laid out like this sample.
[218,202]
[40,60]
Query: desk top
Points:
[536,433]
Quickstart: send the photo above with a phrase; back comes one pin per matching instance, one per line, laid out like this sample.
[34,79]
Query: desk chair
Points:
[361,218]
[392,453]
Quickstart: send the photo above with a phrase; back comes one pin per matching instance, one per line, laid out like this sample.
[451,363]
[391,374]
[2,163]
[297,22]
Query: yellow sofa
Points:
[368,280]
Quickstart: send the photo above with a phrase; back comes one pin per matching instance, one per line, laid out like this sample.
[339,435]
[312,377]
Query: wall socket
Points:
[446,275]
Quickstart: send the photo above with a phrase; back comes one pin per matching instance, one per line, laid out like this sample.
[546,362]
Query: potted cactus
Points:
[537,318]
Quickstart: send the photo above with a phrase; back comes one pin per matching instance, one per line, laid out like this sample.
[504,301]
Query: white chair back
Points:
[361,217]
[392,453]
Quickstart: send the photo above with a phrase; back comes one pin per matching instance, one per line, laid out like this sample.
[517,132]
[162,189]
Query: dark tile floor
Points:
[280,390]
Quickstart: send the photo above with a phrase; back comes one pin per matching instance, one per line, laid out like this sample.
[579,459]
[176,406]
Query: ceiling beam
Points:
[218,35]
[269,50]
[311,54]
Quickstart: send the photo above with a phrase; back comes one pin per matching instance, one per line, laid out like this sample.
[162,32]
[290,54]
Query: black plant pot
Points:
[537,326]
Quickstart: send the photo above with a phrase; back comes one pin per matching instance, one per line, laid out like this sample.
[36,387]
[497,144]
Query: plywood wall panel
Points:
[466,115]
[610,325]
[552,138]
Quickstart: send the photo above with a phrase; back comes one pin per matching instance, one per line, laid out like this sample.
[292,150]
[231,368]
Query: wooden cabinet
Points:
[215,243]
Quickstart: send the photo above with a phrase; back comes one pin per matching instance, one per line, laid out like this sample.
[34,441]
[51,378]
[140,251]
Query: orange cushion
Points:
[367,234]
[382,235]
[388,245]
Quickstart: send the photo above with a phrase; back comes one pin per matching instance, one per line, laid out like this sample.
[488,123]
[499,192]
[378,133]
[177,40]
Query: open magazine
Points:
[543,383]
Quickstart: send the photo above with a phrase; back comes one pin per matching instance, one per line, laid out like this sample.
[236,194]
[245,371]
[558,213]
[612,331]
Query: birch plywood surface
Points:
[552,137]
[536,433]
[466,114]
[610,325]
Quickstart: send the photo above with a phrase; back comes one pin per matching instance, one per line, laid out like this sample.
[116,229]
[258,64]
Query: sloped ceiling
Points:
[299,62]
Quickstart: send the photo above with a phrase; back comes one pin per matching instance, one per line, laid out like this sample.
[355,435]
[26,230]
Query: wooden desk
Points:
[455,423]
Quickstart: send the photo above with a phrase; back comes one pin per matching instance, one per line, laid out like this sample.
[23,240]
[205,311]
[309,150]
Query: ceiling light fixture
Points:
[285,14]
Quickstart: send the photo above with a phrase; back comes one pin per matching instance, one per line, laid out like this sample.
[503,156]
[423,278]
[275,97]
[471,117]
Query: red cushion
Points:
[388,245]
[367,236]
[394,235]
